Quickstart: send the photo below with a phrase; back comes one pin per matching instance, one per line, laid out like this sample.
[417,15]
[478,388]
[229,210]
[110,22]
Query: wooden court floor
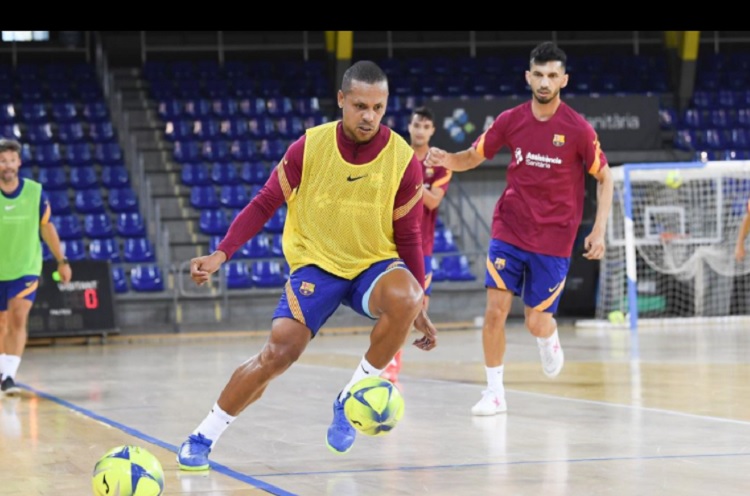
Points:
[666,414]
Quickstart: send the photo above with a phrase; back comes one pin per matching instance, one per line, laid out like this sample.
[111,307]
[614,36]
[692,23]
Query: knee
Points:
[539,324]
[404,299]
[279,357]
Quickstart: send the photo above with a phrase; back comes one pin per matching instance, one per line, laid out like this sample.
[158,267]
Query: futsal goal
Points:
[670,246]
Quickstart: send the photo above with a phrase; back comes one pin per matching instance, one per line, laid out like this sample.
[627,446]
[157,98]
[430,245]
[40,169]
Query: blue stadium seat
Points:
[739,139]
[59,202]
[216,151]
[233,196]
[224,173]
[256,247]
[94,111]
[720,118]
[68,226]
[213,244]
[244,150]
[196,108]
[47,155]
[195,174]
[30,112]
[224,107]
[277,246]
[304,107]
[74,249]
[83,177]
[456,268]
[104,249]
[237,275]
[119,280]
[53,178]
[38,133]
[138,250]
[694,118]
[89,201]
[130,225]
[12,131]
[208,130]
[255,172]
[279,106]
[276,223]
[268,274]
[684,139]
[146,278]
[78,154]
[444,241]
[97,225]
[7,113]
[70,132]
[202,197]
[108,153]
[122,200]
[170,109]
[115,176]
[179,130]
[213,221]
[64,112]
[272,149]
[438,274]
[235,128]
[252,107]
[260,127]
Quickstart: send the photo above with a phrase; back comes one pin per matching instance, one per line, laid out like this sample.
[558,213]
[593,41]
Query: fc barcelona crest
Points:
[499,263]
[558,140]
[307,288]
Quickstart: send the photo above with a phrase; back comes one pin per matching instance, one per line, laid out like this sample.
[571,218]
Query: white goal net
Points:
[685,222]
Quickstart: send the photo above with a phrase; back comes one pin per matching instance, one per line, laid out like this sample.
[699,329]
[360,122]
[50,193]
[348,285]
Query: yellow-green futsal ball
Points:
[128,471]
[673,179]
[374,407]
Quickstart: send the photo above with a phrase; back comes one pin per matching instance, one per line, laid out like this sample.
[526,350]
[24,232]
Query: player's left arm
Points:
[49,234]
[598,167]
[433,194]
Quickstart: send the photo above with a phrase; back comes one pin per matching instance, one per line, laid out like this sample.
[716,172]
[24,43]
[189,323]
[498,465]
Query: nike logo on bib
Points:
[350,178]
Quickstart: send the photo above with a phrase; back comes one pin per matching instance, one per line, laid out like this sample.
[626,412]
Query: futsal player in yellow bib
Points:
[353,189]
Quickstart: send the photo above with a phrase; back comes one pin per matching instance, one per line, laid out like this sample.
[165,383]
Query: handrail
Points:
[475,229]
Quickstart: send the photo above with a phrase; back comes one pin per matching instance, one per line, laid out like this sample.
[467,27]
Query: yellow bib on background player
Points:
[341,216]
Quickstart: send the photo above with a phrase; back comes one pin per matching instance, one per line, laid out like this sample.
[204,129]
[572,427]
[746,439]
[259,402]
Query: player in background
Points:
[352,236]
[24,216]
[739,250]
[435,183]
[536,218]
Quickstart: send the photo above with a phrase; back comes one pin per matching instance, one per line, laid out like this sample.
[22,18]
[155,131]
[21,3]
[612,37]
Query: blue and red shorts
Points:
[311,295]
[538,279]
[24,287]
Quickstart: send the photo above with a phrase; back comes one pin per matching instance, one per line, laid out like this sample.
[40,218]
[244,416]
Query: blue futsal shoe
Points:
[341,434]
[193,454]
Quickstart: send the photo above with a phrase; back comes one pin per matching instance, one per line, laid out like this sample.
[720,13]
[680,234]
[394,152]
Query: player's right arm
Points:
[249,222]
[483,148]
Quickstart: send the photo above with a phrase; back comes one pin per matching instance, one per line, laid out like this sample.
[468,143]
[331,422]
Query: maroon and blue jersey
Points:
[434,178]
[542,205]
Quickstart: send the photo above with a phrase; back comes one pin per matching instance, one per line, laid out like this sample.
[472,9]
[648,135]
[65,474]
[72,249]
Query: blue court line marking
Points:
[222,469]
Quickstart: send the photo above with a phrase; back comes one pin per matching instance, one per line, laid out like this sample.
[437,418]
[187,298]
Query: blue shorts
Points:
[25,287]
[312,295]
[427,275]
[538,279]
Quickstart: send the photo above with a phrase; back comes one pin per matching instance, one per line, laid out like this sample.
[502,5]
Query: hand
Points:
[426,327]
[66,273]
[739,252]
[201,268]
[435,157]
[594,245]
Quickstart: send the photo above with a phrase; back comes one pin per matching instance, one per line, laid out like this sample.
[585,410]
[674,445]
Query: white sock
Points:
[495,378]
[548,341]
[215,423]
[11,365]
[2,365]
[364,369]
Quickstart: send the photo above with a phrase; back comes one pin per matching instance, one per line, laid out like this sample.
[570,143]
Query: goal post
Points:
[670,245]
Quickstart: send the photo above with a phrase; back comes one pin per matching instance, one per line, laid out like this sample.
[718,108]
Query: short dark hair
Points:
[10,145]
[364,71]
[548,52]
[424,112]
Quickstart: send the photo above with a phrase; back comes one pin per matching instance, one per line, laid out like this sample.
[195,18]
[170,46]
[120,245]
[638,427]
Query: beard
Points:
[546,98]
